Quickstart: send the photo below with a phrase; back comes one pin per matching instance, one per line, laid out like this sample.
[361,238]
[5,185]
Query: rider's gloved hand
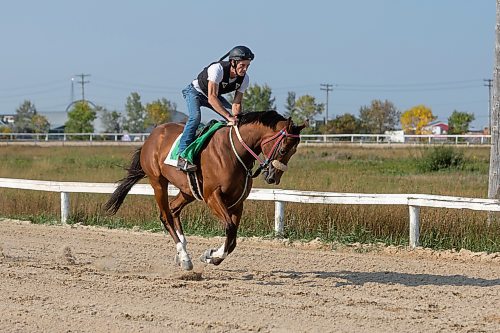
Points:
[232,121]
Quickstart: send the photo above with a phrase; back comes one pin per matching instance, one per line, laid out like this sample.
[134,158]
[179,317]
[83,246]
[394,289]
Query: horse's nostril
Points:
[271,180]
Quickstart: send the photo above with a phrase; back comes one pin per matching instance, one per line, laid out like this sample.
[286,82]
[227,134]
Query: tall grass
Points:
[338,169]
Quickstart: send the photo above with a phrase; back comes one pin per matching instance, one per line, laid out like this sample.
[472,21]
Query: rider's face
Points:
[242,67]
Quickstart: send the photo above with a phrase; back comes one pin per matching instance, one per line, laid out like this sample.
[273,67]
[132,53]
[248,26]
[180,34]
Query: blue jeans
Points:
[195,100]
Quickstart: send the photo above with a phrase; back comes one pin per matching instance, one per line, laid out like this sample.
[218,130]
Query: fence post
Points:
[64,207]
[414,226]
[279,217]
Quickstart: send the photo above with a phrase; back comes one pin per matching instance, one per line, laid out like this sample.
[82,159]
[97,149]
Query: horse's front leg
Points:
[231,222]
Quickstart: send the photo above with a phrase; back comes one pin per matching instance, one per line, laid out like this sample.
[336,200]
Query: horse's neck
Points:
[252,136]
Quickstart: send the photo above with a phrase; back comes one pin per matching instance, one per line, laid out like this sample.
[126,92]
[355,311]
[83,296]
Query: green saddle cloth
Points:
[194,148]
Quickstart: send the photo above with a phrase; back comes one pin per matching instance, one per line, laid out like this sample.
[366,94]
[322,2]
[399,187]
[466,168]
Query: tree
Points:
[22,119]
[40,124]
[458,122]
[111,120]
[134,121]
[159,112]
[5,130]
[379,117]
[290,105]
[80,118]
[306,108]
[257,98]
[416,118]
[343,124]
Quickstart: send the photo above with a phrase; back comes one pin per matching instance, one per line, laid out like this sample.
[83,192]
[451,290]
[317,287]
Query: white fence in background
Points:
[413,201]
[306,138]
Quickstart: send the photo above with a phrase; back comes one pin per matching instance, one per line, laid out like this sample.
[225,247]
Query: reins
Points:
[248,171]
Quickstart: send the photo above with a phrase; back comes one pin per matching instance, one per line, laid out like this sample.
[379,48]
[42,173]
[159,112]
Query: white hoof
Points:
[186,265]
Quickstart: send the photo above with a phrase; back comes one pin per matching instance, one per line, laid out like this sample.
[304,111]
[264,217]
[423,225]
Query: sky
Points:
[410,52]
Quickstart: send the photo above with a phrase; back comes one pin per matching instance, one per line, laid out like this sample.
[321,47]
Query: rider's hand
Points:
[232,121]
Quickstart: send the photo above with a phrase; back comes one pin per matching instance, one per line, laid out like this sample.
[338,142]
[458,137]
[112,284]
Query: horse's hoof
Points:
[186,265]
[206,257]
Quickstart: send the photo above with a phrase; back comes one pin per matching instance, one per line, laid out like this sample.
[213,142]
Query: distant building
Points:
[7,118]
[395,136]
[59,129]
[436,127]
[178,117]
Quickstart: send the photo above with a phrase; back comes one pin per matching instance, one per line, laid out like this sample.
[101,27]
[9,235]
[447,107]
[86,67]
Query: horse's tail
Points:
[135,173]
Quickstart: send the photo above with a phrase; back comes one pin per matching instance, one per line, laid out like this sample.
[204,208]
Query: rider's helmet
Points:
[241,53]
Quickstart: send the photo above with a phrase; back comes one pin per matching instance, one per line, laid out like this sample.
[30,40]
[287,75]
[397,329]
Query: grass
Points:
[355,169]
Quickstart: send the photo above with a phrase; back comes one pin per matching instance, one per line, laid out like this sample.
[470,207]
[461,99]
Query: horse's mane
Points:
[266,118]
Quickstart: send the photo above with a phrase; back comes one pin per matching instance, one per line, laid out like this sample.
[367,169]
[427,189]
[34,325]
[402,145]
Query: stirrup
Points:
[185,165]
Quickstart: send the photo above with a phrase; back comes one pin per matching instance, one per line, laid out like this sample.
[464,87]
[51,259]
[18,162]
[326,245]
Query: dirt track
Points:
[62,279]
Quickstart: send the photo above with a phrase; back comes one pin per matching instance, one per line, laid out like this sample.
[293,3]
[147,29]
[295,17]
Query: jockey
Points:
[216,79]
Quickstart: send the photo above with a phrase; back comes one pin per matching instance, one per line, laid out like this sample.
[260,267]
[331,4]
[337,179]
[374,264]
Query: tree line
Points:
[376,118]
[82,115]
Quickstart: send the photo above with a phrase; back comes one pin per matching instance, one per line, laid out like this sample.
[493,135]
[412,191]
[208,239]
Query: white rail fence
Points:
[413,201]
[466,139]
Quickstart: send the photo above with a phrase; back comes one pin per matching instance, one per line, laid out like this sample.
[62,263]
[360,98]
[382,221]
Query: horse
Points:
[224,174]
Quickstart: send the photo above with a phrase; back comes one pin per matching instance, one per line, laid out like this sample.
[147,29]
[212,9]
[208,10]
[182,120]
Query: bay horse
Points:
[224,174]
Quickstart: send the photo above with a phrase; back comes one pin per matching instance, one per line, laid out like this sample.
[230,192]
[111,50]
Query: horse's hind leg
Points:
[231,222]
[160,187]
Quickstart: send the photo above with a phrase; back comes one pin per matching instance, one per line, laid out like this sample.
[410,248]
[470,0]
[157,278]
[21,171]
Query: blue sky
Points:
[432,52]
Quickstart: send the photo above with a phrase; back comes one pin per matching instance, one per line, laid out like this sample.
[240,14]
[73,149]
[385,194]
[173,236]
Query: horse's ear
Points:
[292,128]
[304,125]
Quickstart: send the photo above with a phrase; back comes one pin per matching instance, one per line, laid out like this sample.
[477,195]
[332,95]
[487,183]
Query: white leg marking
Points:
[181,238]
[220,253]
[181,252]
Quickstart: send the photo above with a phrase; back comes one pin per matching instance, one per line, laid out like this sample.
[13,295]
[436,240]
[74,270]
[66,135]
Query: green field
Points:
[359,169]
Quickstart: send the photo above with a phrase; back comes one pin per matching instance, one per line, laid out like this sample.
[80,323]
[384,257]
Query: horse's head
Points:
[279,148]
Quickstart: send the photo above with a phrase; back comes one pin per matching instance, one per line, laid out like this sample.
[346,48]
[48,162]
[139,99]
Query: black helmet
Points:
[241,53]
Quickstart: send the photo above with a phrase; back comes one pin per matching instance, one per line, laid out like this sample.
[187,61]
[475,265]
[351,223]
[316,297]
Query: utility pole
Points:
[326,87]
[489,85]
[82,82]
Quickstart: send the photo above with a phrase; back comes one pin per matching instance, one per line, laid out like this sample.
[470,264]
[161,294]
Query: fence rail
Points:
[280,197]
[306,138]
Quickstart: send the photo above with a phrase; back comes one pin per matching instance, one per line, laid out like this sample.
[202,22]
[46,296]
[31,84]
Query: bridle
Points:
[263,163]
[269,159]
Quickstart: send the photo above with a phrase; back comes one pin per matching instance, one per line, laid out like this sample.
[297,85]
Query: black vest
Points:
[224,86]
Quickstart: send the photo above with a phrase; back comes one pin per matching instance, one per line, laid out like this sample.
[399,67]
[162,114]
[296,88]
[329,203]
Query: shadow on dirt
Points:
[410,280]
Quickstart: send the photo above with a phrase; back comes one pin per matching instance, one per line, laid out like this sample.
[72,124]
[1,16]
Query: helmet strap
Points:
[224,56]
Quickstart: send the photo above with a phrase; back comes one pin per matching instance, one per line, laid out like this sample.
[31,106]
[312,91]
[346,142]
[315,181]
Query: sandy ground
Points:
[82,279]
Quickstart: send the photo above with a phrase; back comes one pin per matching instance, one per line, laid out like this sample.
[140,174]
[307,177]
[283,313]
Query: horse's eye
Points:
[282,152]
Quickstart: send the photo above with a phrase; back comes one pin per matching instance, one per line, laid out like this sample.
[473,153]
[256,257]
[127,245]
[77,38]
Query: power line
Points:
[326,87]
[416,84]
